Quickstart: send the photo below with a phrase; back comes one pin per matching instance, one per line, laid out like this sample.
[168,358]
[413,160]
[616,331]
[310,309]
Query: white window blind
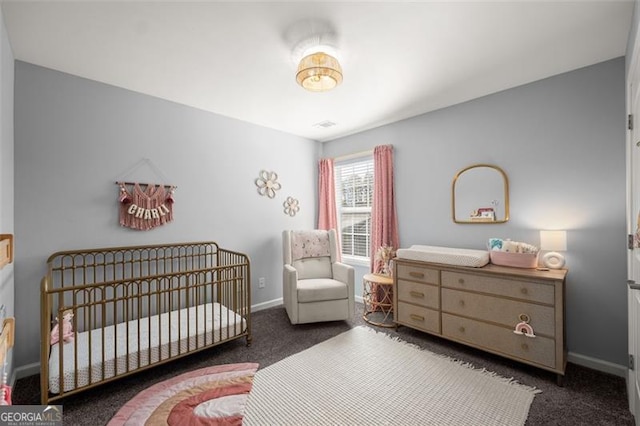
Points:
[354,196]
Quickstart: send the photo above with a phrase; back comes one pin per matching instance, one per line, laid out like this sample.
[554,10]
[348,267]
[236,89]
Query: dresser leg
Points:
[560,380]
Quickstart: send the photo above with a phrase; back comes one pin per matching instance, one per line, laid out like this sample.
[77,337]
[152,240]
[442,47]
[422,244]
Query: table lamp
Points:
[553,241]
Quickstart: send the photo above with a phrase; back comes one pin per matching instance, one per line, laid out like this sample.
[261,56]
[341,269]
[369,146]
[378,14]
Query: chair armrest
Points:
[346,274]
[343,272]
[291,271]
[290,281]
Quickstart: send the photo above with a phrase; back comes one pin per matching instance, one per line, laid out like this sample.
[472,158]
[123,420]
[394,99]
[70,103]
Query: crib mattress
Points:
[445,255]
[150,339]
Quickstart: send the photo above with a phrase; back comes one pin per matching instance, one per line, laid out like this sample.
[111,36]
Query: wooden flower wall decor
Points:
[267,183]
[291,206]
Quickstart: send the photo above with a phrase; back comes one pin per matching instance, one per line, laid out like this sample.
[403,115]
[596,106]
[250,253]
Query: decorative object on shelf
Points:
[291,206]
[6,249]
[147,208]
[483,214]
[383,257]
[523,326]
[6,343]
[553,242]
[267,183]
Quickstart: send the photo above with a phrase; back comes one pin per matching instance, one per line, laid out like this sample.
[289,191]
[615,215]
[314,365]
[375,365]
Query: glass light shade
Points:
[319,72]
[553,240]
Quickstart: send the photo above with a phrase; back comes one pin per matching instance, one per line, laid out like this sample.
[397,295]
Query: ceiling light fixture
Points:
[319,72]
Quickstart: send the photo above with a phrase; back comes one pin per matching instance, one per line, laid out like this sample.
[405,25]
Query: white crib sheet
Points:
[445,255]
[191,326]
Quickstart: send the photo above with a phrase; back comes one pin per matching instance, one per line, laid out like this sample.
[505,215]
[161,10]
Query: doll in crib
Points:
[67,328]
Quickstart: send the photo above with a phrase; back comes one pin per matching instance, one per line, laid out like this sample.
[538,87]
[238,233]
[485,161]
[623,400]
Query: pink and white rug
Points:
[208,396]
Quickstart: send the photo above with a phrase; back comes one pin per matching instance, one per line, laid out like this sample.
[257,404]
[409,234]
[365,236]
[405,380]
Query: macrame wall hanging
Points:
[145,206]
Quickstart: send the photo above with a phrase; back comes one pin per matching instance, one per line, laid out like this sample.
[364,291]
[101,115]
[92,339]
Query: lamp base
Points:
[553,260]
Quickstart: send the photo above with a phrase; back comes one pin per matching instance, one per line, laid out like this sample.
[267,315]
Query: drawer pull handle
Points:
[416,317]
[416,294]
[525,347]
[524,318]
[416,274]
[461,281]
[461,303]
[462,329]
[524,290]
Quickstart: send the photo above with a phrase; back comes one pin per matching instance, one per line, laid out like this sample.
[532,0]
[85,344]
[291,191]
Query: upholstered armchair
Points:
[316,287]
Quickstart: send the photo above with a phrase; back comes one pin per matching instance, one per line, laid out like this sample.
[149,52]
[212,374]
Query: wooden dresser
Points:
[481,307]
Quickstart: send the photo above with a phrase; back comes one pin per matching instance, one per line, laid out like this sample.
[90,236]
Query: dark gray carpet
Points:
[587,398]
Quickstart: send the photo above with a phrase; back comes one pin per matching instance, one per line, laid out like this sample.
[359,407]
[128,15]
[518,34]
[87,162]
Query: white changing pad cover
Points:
[445,255]
[160,338]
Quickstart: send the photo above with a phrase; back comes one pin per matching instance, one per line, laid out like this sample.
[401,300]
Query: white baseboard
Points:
[266,305]
[598,364]
[25,371]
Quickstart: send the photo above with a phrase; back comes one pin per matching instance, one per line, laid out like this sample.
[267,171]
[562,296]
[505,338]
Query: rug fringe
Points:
[483,370]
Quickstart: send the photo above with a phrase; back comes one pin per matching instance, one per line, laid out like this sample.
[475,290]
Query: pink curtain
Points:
[384,222]
[327,213]
[327,216]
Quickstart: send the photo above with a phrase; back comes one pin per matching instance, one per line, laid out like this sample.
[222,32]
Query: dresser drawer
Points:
[538,350]
[419,294]
[525,290]
[417,273]
[418,317]
[502,311]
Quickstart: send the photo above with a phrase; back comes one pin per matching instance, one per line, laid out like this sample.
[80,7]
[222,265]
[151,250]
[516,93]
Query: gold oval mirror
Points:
[480,194]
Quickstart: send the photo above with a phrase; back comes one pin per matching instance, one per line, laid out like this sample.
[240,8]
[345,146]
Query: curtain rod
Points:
[353,155]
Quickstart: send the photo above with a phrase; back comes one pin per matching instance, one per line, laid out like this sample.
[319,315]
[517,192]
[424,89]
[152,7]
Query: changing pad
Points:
[445,255]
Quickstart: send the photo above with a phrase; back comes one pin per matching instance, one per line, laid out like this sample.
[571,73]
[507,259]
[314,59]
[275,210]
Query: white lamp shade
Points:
[553,240]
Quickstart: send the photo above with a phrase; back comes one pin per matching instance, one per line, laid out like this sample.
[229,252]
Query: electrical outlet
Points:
[261,282]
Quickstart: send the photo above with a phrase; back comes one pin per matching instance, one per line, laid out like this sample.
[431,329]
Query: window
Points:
[354,196]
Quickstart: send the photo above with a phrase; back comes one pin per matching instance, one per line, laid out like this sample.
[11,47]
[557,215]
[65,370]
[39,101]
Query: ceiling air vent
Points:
[326,124]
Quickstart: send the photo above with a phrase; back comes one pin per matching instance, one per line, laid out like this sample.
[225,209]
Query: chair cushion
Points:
[321,289]
[310,244]
[313,267]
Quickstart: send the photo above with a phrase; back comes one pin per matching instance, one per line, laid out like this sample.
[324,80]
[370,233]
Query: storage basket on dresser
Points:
[481,307]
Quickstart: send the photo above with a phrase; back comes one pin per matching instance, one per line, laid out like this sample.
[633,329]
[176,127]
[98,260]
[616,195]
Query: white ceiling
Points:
[399,58]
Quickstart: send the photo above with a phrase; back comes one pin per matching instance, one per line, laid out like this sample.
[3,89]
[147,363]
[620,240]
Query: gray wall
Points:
[75,137]
[561,141]
[6,167]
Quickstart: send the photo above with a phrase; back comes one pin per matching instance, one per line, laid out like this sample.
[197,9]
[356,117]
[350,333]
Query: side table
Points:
[378,300]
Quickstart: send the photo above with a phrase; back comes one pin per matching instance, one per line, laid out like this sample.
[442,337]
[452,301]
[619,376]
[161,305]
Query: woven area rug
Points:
[208,396]
[363,377]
